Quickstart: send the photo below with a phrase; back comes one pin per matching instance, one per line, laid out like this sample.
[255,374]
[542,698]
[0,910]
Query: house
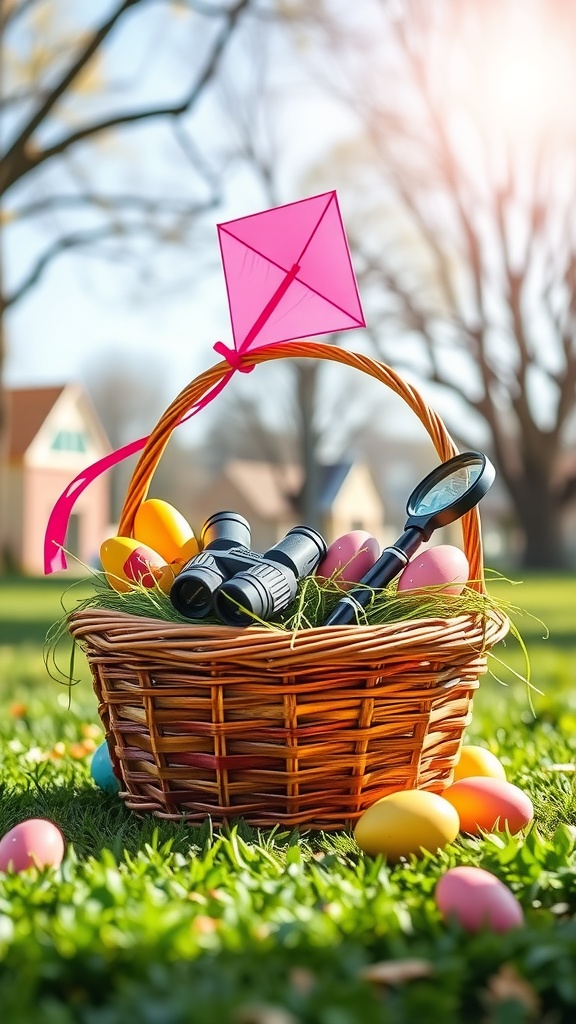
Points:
[53,434]
[400,462]
[350,500]
[267,496]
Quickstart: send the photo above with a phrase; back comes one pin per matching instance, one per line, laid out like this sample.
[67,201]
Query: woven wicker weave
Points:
[297,729]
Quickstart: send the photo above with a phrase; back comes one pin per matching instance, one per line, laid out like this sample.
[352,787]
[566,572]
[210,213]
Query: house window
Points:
[69,441]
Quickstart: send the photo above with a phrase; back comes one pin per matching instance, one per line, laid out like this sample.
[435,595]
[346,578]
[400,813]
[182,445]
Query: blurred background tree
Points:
[461,184]
[81,85]
[448,130]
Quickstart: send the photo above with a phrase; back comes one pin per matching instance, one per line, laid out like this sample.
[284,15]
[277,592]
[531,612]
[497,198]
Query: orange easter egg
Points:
[187,551]
[167,575]
[488,805]
[163,528]
[127,562]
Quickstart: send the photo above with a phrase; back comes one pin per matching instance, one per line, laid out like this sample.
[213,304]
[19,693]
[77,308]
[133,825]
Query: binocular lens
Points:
[225,530]
[232,603]
[192,592]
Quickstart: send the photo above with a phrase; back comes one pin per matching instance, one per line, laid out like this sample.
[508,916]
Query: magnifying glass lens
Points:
[445,492]
[449,491]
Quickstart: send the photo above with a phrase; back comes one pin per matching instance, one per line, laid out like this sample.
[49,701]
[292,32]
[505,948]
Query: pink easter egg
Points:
[350,557]
[444,565]
[477,899]
[33,843]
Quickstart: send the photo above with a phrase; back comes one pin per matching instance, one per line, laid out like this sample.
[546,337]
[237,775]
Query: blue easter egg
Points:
[102,771]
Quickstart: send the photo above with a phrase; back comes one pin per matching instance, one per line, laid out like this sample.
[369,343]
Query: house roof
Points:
[27,409]
[273,490]
[330,481]
[268,488]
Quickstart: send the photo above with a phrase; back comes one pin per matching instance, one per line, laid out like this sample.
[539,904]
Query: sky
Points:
[84,306]
[167,316]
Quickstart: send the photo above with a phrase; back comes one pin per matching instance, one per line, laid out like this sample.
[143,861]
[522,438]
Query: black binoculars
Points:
[239,584]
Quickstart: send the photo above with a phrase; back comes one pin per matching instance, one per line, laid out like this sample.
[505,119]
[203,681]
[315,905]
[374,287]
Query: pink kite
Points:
[288,275]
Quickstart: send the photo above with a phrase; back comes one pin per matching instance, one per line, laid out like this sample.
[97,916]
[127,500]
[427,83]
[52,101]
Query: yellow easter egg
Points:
[475,761]
[163,528]
[407,822]
[128,563]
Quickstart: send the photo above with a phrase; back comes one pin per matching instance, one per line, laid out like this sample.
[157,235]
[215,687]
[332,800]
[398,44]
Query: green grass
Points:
[162,923]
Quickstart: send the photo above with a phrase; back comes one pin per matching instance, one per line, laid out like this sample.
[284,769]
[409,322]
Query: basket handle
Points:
[201,386]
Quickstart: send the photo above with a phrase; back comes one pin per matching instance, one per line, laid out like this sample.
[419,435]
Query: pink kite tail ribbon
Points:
[57,526]
[55,536]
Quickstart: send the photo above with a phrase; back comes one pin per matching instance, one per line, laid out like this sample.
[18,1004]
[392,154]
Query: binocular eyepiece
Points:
[239,584]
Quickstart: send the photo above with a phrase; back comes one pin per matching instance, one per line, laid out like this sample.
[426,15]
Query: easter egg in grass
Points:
[349,558]
[102,771]
[476,899]
[443,566]
[128,562]
[475,761]
[407,822]
[163,528]
[35,842]
[489,805]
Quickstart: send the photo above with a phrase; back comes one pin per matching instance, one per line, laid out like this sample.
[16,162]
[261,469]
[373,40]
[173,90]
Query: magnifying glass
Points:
[442,497]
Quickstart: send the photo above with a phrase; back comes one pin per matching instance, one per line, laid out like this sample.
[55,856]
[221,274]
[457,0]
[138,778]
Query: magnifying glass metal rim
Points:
[458,506]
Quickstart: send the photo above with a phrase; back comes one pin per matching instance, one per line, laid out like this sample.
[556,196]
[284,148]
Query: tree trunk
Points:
[306,387]
[539,514]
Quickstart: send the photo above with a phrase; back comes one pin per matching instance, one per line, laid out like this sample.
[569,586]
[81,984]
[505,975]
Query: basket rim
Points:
[493,625]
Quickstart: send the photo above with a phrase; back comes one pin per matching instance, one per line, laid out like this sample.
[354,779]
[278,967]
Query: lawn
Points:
[166,924]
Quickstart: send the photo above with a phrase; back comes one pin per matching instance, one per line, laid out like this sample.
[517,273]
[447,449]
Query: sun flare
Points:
[518,75]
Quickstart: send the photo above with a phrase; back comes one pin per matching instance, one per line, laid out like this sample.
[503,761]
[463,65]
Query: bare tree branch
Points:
[485,185]
[76,240]
[15,98]
[61,245]
[195,158]
[408,197]
[93,44]
[106,202]
[31,160]
[8,15]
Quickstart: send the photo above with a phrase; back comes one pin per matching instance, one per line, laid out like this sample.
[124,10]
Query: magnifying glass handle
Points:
[391,562]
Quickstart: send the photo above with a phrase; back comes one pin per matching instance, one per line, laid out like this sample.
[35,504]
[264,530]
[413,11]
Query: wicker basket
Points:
[302,729]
